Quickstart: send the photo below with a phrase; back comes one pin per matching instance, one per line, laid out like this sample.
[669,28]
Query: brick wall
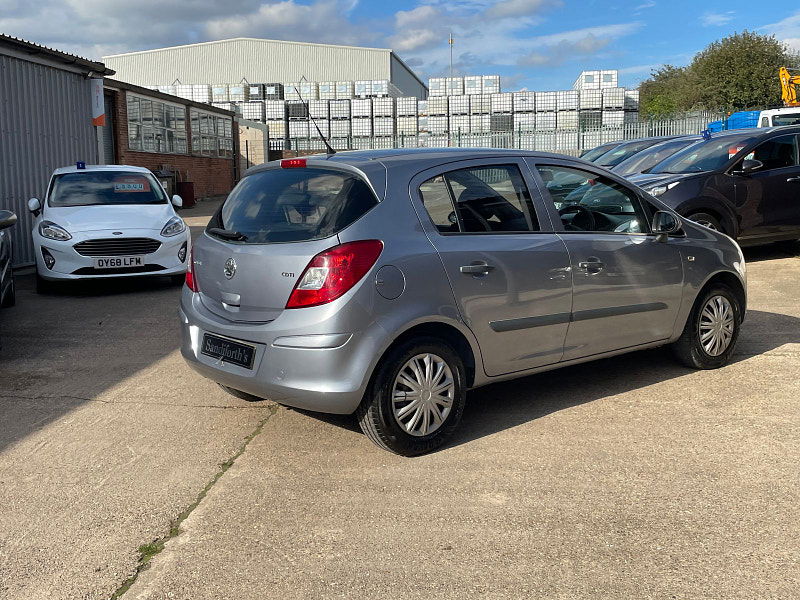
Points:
[211,176]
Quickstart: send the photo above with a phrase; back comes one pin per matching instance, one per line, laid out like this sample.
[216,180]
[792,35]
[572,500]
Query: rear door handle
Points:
[591,266]
[476,268]
[793,180]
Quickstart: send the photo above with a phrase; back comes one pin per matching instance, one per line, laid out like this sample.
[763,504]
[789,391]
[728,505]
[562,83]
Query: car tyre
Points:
[717,314]
[707,220]
[426,375]
[240,394]
[10,298]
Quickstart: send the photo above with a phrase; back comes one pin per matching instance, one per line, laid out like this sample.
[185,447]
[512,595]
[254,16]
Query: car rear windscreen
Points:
[291,205]
[88,188]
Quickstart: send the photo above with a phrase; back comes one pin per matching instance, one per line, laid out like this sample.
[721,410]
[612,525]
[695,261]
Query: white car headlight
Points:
[660,189]
[51,231]
[173,227]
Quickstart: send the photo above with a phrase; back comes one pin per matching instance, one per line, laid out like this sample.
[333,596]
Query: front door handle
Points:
[793,180]
[591,266]
[476,268]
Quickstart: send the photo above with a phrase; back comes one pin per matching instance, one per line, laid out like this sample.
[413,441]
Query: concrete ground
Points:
[123,473]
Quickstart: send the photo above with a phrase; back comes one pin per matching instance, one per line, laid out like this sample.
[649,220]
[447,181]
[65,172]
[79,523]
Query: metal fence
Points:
[563,141]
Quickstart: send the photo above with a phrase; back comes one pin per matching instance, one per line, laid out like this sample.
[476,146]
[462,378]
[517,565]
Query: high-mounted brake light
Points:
[293,163]
[191,280]
[332,273]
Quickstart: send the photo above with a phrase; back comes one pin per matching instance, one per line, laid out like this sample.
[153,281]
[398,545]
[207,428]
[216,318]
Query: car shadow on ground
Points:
[501,406]
[788,249]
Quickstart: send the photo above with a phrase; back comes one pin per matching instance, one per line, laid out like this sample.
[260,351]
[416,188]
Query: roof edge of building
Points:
[235,39]
[33,49]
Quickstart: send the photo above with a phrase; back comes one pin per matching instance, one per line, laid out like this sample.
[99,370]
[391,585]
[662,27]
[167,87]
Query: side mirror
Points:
[748,166]
[177,201]
[35,206]
[7,219]
[665,223]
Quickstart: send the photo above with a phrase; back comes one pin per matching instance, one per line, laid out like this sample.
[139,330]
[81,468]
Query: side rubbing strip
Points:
[529,322]
[616,311]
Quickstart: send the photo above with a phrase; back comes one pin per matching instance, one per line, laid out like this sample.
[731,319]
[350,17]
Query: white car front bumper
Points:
[73,260]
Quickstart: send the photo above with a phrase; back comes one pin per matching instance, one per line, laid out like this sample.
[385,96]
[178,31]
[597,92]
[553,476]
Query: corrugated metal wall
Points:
[258,61]
[45,123]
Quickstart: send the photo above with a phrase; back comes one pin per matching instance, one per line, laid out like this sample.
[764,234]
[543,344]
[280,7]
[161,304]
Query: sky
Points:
[532,44]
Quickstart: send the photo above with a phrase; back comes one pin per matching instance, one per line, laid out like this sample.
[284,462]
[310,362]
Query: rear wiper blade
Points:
[227,234]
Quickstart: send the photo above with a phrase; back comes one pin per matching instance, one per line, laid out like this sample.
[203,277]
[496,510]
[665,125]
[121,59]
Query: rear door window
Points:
[291,205]
[777,153]
[491,199]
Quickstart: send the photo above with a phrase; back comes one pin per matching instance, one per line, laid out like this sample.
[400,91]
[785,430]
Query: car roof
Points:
[398,156]
[75,169]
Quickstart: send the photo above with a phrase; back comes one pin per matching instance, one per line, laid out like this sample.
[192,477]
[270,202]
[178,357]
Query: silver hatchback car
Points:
[389,282]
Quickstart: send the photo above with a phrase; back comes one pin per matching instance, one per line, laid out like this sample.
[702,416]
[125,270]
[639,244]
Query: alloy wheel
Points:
[423,394]
[716,325]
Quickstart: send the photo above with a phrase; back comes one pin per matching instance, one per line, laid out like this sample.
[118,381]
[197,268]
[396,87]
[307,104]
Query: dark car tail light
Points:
[191,280]
[332,273]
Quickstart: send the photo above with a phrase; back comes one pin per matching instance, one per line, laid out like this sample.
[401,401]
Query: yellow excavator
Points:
[790,82]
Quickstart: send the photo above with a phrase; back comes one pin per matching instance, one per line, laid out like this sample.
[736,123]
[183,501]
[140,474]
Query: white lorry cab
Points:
[776,117]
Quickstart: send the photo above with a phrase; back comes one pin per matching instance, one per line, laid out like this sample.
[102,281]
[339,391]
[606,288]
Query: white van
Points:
[779,116]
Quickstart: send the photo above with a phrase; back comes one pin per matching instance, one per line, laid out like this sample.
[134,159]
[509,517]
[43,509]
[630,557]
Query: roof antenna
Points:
[330,151]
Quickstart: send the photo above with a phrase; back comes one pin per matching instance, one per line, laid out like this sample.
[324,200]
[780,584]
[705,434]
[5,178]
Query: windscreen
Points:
[615,156]
[594,153]
[88,188]
[650,157]
[291,205]
[705,156]
[786,119]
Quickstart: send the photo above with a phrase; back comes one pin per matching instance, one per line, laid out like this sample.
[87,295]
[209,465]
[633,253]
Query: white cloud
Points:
[787,30]
[644,5]
[716,19]
[518,8]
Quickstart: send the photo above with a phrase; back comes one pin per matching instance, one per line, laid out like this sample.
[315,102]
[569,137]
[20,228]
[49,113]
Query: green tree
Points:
[734,73]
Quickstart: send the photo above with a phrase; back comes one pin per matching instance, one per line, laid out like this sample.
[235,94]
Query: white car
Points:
[775,117]
[107,221]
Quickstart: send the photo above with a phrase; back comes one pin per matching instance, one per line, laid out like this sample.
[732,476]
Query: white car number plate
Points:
[118,262]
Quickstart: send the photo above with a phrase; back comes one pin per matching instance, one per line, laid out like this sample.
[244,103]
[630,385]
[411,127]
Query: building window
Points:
[155,126]
[212,135]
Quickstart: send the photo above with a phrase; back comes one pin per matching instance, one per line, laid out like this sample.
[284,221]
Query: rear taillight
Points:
[191,280]
[331,273]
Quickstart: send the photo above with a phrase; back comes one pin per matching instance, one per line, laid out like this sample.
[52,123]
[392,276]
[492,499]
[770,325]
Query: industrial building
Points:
[264,61]
[46,122]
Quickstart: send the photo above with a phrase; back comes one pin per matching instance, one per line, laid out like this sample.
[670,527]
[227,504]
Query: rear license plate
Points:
[229,351]
[118,262]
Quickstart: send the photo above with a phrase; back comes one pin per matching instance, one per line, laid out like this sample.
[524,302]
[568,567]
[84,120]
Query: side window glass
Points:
[776,153]
[589,202]
[491,199]
[436,199]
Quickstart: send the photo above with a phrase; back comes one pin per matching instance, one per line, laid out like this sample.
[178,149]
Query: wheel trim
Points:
[717,325]
[423,394]
[706,223]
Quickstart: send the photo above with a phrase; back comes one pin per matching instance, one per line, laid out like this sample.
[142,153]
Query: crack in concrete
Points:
[148,551]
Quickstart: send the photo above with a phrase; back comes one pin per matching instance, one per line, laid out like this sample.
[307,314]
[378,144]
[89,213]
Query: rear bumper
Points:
[318,371]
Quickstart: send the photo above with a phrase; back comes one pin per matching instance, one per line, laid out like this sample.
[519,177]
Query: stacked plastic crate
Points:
[276,119]
[327,90]
[361,123]
[546,104]
[383,116]
[344,90]
[501,112]
[407,116]
[438,114]
[613,106]
[319,111]
[524,111]
[253,110]
[340,119]
[458,113]
[480,107]
[297,113]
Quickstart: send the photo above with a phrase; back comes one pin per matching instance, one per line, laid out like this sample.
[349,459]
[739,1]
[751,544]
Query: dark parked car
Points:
[627,149]
[745,183]
[598,151]
[643,161]
[7,291]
